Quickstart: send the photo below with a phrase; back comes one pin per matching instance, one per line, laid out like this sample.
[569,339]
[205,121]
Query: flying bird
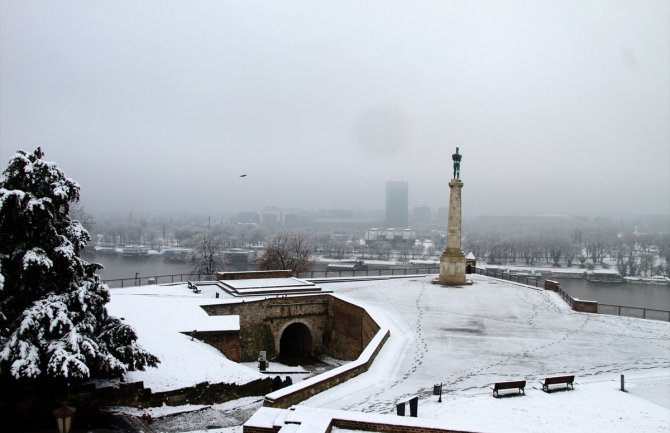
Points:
[243,175]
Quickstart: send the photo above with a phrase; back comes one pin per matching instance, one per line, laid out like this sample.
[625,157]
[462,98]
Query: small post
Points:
[414,406]
[622,384]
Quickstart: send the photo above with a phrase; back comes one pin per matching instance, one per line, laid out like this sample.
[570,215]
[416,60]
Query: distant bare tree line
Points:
[632,254]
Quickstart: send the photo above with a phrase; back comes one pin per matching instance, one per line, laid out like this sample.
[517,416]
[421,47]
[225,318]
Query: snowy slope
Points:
[159,314]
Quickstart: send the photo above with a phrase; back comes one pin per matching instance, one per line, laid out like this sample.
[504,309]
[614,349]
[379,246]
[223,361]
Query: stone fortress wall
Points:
[337,327]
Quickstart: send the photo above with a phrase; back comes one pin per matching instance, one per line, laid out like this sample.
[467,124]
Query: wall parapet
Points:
[291,395]
[576,304]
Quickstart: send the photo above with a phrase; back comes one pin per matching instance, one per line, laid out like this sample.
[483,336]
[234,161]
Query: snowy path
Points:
[492,331]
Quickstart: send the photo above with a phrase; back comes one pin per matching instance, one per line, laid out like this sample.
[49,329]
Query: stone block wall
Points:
[352,329]
[328,381]
[346,331]
[136,395]
[31,402]
[228,342]
[551,285]
[338,328]
[576,304]
[584,306]
[261,322]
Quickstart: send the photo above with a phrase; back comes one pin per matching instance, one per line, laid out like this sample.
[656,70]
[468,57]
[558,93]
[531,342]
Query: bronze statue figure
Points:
[457,164]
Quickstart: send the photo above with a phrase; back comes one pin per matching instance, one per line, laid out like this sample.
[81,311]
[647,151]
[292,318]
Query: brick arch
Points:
[310,328]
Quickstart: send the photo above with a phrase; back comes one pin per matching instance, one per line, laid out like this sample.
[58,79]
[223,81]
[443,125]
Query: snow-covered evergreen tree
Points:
[53,320]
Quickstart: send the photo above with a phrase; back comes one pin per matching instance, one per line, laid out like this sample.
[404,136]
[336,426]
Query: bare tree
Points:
[289,251]
[208,258]
[597,246]
[571,253]
[77,212]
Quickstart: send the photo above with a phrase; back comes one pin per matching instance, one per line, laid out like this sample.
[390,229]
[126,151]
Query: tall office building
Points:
[397,204]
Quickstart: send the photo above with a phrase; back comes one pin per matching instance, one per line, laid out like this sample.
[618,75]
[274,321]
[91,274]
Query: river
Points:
[652,296]
[116,266]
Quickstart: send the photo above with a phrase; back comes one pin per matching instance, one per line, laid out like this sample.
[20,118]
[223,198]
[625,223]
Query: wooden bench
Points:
[193,286]
[567,380]
[518,384]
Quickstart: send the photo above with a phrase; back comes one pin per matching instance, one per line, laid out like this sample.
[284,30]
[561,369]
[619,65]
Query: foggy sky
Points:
[559,107]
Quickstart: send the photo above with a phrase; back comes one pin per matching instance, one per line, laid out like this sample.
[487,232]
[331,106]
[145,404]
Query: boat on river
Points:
[656,279]
[604,276]
[355,265]
[135,251]
[181,255]
[528,273]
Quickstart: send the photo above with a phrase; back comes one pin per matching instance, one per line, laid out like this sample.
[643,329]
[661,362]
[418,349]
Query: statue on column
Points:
[457,164]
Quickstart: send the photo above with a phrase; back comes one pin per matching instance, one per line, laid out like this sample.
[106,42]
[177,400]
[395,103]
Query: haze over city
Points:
[153,107]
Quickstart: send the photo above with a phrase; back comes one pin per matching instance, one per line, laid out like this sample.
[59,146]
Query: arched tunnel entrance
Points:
[295,344]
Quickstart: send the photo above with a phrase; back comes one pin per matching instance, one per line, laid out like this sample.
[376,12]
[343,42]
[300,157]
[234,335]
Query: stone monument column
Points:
[452,260]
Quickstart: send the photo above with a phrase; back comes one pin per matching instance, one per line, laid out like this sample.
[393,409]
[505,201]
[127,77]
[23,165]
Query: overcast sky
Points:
[559,107]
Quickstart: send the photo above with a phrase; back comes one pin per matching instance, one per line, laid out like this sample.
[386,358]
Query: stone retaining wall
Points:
[574,303]
[262,320]
[136,395]
[228,342]
[298,392]
[36,402]
[337,327]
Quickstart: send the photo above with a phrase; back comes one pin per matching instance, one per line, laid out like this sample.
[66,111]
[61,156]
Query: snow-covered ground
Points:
[467,338]
[160,314]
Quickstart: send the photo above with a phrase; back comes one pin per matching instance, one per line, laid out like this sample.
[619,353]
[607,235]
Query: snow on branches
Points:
[53,319]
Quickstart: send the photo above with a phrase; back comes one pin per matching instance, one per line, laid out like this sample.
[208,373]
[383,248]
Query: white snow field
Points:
[160,314]
[465,337]
[472,336]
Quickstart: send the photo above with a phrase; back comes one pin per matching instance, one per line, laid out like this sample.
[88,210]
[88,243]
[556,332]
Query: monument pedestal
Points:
[452,268]
[452,260]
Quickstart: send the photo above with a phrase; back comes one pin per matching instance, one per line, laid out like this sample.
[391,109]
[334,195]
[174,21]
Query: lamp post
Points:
[64,416]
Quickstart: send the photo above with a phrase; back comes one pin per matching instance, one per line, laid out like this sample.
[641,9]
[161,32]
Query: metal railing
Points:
[156,279]
[338,273]
[178,278]
[616,310]
[523,279]
[641,313]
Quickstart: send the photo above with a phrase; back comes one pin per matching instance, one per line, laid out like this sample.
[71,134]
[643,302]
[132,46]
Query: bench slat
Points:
[568,380]
[520,384]
[510,385]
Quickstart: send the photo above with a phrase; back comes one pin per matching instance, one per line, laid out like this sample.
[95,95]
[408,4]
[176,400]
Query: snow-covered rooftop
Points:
[160,315]
[266,283]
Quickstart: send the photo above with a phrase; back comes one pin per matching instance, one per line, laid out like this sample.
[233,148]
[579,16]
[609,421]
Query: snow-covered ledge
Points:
[287,397]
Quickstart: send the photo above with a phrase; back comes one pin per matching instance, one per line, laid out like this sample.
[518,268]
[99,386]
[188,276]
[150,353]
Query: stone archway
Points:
[295,343]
